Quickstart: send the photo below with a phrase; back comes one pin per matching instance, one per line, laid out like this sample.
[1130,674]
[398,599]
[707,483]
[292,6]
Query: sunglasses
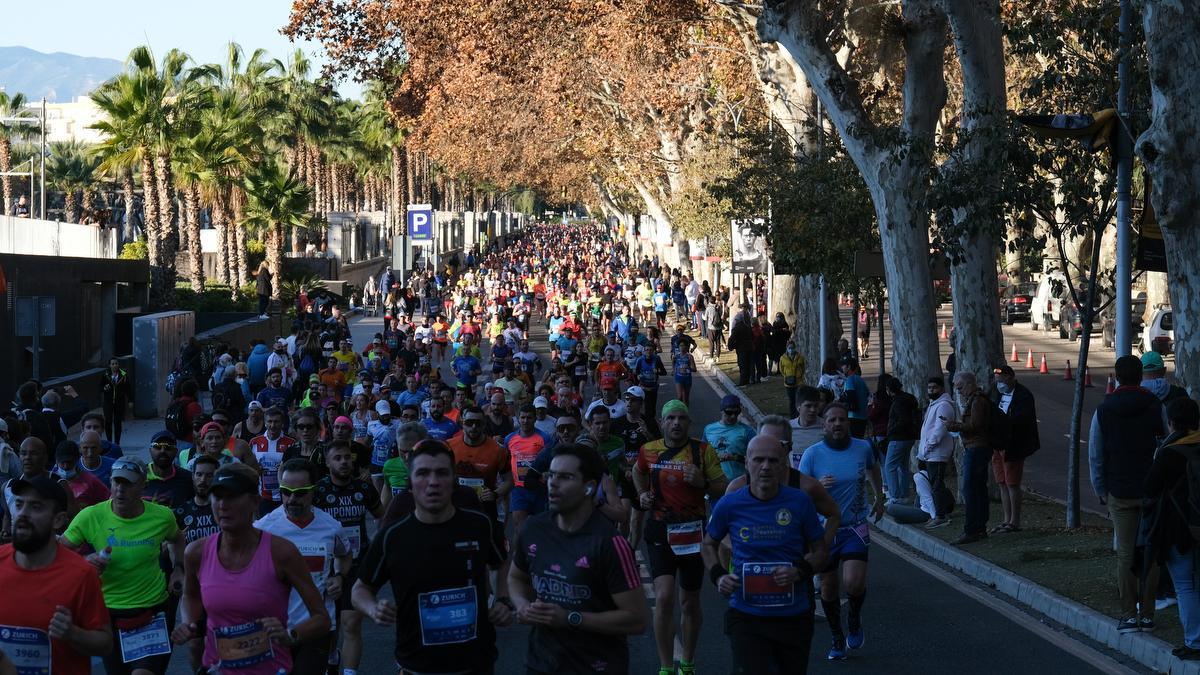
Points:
[297,491]
[163,446]
[471,423]
[129,466]
[732,411]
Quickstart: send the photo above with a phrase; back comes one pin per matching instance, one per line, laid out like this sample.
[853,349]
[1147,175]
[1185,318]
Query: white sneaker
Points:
[1163,603]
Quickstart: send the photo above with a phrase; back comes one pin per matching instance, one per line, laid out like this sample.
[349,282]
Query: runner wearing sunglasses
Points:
[326,552]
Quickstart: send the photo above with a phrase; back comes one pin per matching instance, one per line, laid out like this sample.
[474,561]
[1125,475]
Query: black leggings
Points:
[114,420]
[769,645]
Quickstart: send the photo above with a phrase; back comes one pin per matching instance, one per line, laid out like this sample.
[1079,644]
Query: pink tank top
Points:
[234,601]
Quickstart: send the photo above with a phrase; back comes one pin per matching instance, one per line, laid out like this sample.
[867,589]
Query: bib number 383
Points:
[448,616]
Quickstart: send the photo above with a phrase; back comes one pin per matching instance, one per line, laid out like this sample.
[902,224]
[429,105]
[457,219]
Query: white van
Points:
[1047,302]
[1161,328]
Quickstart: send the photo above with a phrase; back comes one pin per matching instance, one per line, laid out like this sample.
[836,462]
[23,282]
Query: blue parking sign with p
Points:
[420,222]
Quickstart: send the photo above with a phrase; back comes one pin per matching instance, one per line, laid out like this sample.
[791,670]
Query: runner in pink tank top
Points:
[234,601]
[242,613]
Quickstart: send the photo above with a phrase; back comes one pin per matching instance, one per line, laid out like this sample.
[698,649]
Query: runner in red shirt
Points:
[53,618]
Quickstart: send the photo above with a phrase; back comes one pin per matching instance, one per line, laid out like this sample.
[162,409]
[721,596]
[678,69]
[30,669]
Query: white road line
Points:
[1102,662]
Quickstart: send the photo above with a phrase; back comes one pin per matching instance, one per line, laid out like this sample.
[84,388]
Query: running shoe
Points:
[1129,625]
[686,668]
[837,651]
[855,637]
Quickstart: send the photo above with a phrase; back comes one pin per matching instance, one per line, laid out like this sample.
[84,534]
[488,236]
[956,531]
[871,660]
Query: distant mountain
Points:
[59,77]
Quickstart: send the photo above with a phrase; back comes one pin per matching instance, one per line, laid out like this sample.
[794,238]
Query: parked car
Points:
[1047,301]
[1016,303]
[1071,318]
[1159,333]
[1108,321]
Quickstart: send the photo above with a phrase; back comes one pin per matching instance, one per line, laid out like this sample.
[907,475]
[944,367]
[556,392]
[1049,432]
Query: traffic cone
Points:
[1043,369]
[1087,377]
[1014,357]
[1029,360]
[943,331]
[1066,374]
[1112,385]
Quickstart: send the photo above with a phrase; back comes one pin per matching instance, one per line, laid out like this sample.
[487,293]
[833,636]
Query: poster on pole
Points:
[749,247]
[698,248]
[662,234]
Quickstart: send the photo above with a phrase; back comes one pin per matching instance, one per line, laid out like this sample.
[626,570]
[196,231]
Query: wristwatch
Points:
[574,619]
[293,636]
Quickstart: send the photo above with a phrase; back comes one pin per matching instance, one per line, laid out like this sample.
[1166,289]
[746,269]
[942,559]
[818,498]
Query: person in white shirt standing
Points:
[325,550]
[936,447]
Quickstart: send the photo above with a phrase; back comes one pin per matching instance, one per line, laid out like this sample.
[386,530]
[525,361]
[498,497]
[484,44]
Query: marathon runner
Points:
[844,465]
[672,476]
[778,543]
[238,585]
[436,558]
[348,499]
[574,578]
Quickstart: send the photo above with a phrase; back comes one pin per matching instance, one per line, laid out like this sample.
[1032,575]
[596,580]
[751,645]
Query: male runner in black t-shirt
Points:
[574,578]
[348,499]
[437,560]
[195,520]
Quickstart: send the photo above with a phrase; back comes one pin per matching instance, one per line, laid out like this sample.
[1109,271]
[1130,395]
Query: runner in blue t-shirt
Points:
[466,368]
[776,538]
[844,465]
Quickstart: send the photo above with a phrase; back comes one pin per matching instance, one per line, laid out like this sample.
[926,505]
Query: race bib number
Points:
[27,648]
[759,588]
[475,484]
[685,538]
[380,453]
[243,645]
[353,536]
[448,617]
[523,466]
[145,641]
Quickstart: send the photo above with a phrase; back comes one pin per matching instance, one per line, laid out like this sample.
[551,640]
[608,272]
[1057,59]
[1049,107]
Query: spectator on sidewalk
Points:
[1154,379]
[1170,537]
[1008,463]
[856,396]
[791,367]
[903,429]
[878,408]
[977,455]
[741,341]
[1121,445]
[781,337]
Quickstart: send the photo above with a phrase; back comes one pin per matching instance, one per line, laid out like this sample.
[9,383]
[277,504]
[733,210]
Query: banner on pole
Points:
[749,246]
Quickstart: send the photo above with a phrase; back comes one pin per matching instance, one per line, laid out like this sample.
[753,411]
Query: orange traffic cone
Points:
[1066,374]
[943,331]
[1043,369]
[1029,360]
[1112,385]
[1014,357]
[1087,377]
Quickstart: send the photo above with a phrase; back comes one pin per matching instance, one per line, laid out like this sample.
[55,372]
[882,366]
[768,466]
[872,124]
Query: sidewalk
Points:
[1144,648]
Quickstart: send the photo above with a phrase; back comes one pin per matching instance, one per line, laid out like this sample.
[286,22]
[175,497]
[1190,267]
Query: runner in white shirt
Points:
[325,550]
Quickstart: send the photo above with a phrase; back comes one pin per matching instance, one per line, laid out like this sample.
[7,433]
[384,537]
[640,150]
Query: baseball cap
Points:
[44,486]
[1003,370]
[541,402]
[729,401]
[233,482]
[130,468]
[66,450]
[314,379]
[383,408]
[163,437]
[253,405]
[1152,362]
[635,392]
[212,426]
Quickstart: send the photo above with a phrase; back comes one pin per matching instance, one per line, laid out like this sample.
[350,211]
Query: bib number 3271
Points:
[145,641]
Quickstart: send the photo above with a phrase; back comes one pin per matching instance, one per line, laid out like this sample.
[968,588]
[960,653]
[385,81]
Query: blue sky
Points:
[111,29]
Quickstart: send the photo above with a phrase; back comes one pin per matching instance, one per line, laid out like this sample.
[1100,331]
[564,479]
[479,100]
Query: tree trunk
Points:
[238,204]
[1170,149]
[127,195]
[275,259]
[410,177]
[166,216]
[221,224]
[70,207]
[161,292]
[6,181]
[191,197]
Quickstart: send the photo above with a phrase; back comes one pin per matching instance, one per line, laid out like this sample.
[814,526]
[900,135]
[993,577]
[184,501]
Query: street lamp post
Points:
[41,123]
[1124,152]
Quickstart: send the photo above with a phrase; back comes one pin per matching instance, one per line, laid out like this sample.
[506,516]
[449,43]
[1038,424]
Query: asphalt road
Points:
[916,621]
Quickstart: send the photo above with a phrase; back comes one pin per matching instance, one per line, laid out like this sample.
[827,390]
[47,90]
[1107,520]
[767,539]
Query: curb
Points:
[1146,650]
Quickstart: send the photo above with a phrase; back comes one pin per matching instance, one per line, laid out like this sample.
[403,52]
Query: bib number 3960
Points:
[27,648]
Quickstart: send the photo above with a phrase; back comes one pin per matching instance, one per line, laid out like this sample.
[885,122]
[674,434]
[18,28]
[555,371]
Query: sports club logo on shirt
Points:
[783,517]
[582,562]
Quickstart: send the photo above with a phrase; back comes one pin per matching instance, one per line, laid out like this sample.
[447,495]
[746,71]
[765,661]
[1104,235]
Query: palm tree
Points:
[71,169]
[274,201]
[11,105]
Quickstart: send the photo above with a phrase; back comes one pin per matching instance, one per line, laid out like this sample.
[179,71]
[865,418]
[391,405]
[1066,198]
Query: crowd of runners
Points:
[272,514]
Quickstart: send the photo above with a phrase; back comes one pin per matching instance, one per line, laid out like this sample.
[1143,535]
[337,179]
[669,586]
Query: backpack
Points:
[173,419]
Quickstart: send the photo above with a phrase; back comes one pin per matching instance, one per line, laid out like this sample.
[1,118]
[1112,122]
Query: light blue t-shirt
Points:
[765,534]
[849,469]
[730,439]
[862,394]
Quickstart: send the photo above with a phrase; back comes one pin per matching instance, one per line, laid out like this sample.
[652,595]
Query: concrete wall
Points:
[28,236]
